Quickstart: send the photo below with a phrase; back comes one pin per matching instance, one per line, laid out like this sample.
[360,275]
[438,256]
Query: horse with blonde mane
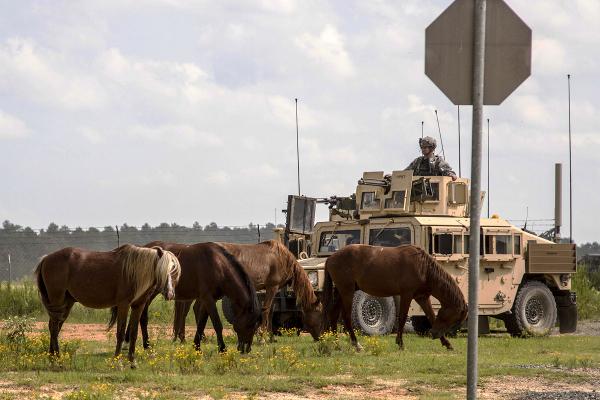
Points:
[271,266]
[124,277]
[407,271]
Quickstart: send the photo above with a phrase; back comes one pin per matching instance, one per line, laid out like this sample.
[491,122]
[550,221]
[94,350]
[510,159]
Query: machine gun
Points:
[385,183]
[342,206]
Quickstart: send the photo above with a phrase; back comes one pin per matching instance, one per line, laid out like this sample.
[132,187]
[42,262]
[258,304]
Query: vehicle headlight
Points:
[313,277]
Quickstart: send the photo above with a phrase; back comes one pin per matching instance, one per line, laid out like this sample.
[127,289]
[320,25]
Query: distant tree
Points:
[146,227]
[10,227]
[93,230]
[52,228]
[108,229]
[196,226]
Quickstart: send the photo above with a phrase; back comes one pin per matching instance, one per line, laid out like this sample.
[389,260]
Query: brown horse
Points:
[407,271]
[125,277]
[209,272]
[271,266]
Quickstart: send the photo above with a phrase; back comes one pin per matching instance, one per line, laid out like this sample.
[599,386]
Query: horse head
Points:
[313,320]
[168,262]
[448,320]
[245,326]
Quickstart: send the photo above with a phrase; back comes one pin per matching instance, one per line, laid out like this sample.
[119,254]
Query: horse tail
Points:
[254,304]
[113,318]
[41,285]
[179,318]
[327,296]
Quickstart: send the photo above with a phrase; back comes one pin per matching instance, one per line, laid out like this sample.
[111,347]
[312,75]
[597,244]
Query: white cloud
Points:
[264,170]
[328,49]
[549,57]
[12,127]
[180,136]
[43,76]
[220,178]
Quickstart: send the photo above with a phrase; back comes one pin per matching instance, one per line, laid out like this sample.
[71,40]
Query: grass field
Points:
[296,367]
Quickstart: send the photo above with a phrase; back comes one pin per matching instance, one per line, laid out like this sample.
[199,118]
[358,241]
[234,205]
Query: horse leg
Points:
[144,326]
[334,314]
[346,300]
[425,304]
[267,319]
[181,311]
[402,314]
[134,320]
[217,325]
[201,316]
[122,311]
[53,327]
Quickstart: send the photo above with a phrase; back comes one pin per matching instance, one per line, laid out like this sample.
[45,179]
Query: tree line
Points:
[25,246]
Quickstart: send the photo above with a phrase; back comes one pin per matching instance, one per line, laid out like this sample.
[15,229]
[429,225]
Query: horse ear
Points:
[159,251]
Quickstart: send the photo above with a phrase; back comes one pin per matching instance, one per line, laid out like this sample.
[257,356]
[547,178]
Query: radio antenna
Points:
[440,132]
[458,110]
[570,167]
[422,122]
[297,147]
[488,167]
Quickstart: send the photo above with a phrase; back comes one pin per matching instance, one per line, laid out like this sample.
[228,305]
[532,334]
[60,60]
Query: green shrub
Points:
[588,297]
[19,299]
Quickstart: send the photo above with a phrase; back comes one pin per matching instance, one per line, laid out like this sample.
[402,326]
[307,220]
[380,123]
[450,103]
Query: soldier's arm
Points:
[412,165]
[446,169]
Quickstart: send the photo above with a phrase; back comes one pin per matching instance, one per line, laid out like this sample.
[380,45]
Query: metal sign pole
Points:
[475,205]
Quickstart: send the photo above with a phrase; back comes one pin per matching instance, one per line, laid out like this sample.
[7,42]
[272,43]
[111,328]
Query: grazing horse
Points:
[407,271]
[271,266]
[123,278]
[209,272]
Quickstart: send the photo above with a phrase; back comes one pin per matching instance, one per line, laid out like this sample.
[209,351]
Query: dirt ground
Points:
[98,331]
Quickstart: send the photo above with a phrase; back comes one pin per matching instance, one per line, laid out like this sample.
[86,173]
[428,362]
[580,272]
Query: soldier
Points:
[430,164]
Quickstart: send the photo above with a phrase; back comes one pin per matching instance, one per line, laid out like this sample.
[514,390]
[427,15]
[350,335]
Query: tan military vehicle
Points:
[525,280]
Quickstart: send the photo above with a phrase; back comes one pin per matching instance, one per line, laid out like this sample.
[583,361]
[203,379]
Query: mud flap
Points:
[567,312]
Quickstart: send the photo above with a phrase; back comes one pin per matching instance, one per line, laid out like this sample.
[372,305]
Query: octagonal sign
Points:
[449,52]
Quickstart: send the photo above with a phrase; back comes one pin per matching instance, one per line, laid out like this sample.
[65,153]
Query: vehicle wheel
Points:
[533,312]
[420,324]
[227,310]
[373,315]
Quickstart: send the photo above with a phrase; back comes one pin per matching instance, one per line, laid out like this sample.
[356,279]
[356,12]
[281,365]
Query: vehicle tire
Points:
[227,308]
[420,324]
[373,315]
[533,312]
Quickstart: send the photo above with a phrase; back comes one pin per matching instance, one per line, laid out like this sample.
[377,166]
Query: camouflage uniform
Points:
[434,166]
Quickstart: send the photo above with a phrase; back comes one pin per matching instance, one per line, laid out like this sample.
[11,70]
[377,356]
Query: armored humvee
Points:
[525,280]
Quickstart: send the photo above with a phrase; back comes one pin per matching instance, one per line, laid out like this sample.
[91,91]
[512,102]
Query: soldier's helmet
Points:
[427,141]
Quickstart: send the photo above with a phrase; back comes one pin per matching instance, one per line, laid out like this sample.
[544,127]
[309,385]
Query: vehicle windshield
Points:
[335,240]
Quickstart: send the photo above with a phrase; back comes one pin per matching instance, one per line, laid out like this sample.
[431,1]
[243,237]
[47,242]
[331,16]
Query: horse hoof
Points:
[450,348]
[359,347]
[133,365]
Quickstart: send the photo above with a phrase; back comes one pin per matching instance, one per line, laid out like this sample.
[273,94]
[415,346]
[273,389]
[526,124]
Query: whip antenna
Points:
[297,147]
[458,110]
[422,129]
[440,132]
[488,167]
[570,167]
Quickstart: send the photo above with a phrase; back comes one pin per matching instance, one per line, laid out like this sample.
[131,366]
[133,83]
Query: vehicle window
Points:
[397,200]
[457,247]
[517,250]
[435,188]
[334,241]
[369,201]
[489,244]
[442,243]
[389,237]
[467,248]
[503,244]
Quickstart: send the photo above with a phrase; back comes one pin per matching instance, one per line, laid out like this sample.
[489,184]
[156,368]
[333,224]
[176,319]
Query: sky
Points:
[126,111]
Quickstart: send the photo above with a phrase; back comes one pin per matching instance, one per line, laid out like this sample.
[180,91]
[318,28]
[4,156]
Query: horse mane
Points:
[254,307]
[305,294]
[439,277]
[142,268]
